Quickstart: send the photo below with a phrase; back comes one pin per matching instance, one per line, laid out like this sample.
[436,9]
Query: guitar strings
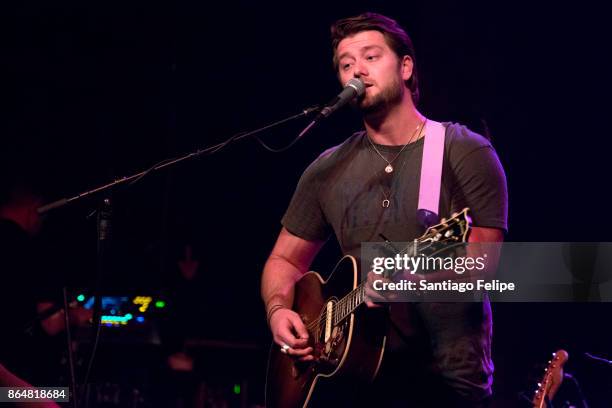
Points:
[341,304]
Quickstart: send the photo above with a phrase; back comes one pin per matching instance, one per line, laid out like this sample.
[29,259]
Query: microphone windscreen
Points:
[357,84]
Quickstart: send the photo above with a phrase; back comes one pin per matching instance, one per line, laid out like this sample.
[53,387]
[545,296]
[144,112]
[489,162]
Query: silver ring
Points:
[284,348]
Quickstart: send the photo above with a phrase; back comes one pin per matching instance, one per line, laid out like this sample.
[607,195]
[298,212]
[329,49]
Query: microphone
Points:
[353,88]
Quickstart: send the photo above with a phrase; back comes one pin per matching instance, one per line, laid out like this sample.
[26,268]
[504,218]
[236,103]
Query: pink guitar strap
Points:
[431,174]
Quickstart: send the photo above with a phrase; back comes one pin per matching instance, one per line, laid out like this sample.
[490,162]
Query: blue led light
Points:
[140,319]
[89,303]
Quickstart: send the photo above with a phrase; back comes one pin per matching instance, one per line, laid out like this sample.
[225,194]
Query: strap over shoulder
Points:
[431,174]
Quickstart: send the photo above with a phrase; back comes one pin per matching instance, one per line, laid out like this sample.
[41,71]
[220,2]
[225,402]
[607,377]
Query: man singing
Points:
[438,354]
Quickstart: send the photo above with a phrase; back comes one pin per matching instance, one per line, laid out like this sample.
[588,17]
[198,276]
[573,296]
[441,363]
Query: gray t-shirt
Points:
[342,191]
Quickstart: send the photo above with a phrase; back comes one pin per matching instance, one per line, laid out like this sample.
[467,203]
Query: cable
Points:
[290,145]
[215,148]
[578,389]
[91,361]
[73,382]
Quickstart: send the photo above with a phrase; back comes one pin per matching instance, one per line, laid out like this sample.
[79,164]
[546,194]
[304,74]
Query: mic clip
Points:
[311,109]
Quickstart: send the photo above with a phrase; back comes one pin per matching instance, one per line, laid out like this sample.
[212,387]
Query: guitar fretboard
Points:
[444,236]
[345,306]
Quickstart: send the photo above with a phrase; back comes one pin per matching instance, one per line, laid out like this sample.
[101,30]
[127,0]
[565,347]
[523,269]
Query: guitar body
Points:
[349,352]
[347,337]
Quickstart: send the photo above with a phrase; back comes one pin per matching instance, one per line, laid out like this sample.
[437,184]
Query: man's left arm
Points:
[479,183]
[483,243]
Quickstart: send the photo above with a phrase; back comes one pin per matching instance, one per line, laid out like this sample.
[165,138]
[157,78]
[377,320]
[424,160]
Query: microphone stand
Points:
[171,162]
[600,359]
[103,240]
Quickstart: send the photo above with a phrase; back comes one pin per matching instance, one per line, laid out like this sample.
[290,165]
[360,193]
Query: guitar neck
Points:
[349,303]
[441,237]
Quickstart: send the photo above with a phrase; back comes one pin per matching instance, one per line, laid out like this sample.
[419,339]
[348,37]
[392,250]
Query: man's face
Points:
[367,56]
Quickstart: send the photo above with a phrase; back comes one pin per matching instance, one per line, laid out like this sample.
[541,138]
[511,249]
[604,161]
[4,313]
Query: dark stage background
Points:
[92,91]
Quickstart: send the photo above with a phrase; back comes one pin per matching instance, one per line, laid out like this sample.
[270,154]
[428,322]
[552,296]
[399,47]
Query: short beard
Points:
[388,97]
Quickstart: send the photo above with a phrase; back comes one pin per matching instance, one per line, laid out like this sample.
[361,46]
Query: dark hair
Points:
[394,34]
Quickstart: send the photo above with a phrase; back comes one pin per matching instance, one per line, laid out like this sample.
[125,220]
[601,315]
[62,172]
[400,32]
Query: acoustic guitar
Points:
[347,337]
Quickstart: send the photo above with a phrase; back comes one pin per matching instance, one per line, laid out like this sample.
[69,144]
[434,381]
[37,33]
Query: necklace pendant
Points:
[385,203]
[389,168]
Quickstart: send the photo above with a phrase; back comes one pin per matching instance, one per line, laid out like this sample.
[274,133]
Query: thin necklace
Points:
[389,168]
[387,202]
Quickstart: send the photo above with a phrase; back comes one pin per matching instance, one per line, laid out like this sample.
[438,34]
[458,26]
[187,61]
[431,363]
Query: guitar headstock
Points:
[553,377]
[452,230]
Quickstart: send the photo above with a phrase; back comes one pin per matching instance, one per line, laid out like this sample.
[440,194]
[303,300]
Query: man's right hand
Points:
[288,329]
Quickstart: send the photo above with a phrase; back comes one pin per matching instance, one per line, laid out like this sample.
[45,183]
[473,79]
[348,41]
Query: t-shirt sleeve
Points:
[481,186]
[304,217]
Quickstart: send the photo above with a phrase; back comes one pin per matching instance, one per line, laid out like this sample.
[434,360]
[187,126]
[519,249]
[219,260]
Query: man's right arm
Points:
[290,259]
